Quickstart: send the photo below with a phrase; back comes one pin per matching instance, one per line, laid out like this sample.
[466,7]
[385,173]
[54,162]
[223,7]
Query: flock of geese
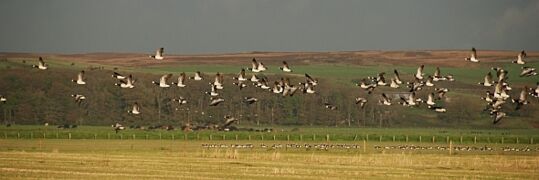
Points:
[284,87]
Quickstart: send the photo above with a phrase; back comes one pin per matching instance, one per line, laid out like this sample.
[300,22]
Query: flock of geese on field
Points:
[283,87]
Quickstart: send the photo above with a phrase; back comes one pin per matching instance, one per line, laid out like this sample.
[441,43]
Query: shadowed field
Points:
[136,159]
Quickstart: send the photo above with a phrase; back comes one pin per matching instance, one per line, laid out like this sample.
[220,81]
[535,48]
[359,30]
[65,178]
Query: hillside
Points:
[37,96]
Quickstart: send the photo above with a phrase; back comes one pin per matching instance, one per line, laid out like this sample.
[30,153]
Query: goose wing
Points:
[474,53]
[80,76]
[165,78]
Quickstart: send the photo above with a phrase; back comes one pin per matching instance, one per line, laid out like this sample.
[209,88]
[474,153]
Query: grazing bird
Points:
[198,76]
[127,83]
[361,101]
[163,81]
[216,101]
[419,74]
[487,80]
[158,54]
[522,100]
[41,65]
[310,80]
[250,100]
[528,71]
[118,76]
[135,110]
[285,67]
[181,80]
[497,116]
[78,98]
[3,99]
[397,77]
[473,56]
[80,78]
[384,100]
[241,76]
[330,106]
[181,100]
[520,58]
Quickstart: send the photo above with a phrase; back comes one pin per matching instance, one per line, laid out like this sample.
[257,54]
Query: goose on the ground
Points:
[181,100]
[487,80]
[285,67]
[528,71]
[78,98]
[163,81]
[127,83]
[419,74]
[118,76]
[397,77]
[498,116]
[158,54]
[330,106]
[520,58]
[80,78]
[213,91]
[198,76]
[310,80]
[473,56]
[250,100]
[181,80]
[523,98]
[41,65]
[135,110]
[384,100]
[216,101]
[361,101]
[241,76]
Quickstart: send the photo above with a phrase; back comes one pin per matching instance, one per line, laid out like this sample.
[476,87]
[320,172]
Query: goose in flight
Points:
[257,66]
[285,67]
[213,91]
[430,99]
[379,80]
[498,116]
[127,83]
[416,85]
[158,54]
[487,80]
[80,78]
[501,73]
[254,78]
[361,101]
[309,88]
[240,84]
[181,80]
[277,88]
[438,109]
[310,80]
[489,98]
[535,92]
[330,106]
[394,83]
[181,100]
[241,76]
[441,92]
[419,74]
[262,83]
[118,127]
[118,76]
[410,100]
[216,101]
[438,76]
[3,99]
[198,76]
[384,100]
[78,98]
[41,65]
[163,81]
[135,110]
[429,82]
[522,100]
[368,87]
[500,92]
[397,77]
[528,71]
[218,81]
[473,56]
[250,100]
[520,58]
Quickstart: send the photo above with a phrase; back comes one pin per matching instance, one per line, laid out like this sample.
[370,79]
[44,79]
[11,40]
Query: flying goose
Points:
[384,100]
[522,100]
[437,108]
[310,80]
[181,100]
[41,64]
[520,58]
[380,80]
[285,67]
[497,116]
[197,77]
[489,98]
[309,88]
[441,92]
[410,100]
[3,99]
[416,85]
[254,78]
[394,83]
[535,92]
[262,83]
[429,82]
[368,87]
[397,77]
[118,76]
[135,110]
[438,76]
[228,121]
[487,80]
[241,76]
[361,101]
[500,73]
[254,66]
[181,80]
[277,88]
[419,74]
[80,78]
[497,104]
[127,83]
[216,101]
[528,71]
[289,90]
[330,106]
[500,91]
[163,81]
[240,84]
[78,98]
[218,81]
[250,100]
[118,127]
[158,54]
[430,99]
[473,56]
[213,91]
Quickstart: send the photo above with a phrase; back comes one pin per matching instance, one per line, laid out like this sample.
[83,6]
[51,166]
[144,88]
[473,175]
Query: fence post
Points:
[367,137]
[146,136]
[160,136]
[236,137]
[173,137]
[95,136]
[288,137]
[531,140]
[274,137]
[31,135]
[447,139]
[406,138]
[108,135]
[450,147]
[518,141]
[460,139]
[44,136]
[18,135]
[69,135]
[433,139]
[249,137]
[121,136]
[211,137]
[134,137]
[364,146]
[224,136]
[301,137]
[380,138]
[262,136]
[314,137]
[475,139]
[355,137]
[327,137]
[420,138]
[502,139]
[393,138]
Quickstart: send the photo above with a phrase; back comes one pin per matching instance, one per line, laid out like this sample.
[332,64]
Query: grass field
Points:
[165,159]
